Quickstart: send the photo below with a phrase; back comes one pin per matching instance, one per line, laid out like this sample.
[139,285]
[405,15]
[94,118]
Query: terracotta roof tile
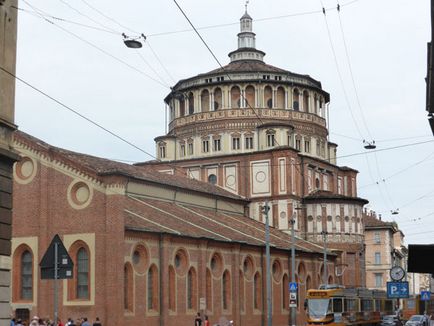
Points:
[372,221]
[159,216]
[101,167]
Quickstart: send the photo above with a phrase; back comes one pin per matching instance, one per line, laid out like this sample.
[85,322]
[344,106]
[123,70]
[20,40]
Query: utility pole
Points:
[292,221]
[265,210]
[324,236]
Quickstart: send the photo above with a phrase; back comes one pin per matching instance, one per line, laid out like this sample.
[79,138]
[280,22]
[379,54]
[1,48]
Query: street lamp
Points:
[133,42]
[324,236]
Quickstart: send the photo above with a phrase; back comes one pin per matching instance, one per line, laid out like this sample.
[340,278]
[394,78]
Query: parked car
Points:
[417,320]
[391,320]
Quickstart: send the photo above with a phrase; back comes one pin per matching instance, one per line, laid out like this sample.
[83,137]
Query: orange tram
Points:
[341,306]
[415,306]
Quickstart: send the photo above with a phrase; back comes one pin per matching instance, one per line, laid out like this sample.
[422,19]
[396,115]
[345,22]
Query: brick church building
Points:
[260,132]
[156,242]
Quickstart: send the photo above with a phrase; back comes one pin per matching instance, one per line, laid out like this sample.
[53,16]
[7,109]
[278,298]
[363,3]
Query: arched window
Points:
[285,294]
[152,288]
[209,295]
[218,102]
[190,103]
[79,285]
[308,283]
[235,97]
[241,294]
[182,107]
[306,101]
[268,97]
[128,287]
[280,98]
[257,292]
[26,288]
[226,287]
[82,274]
[250,96]
[172,289]
[204,101]
[301,273]
[296,100]
[191,289]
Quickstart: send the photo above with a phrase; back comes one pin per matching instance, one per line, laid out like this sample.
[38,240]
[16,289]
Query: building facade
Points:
[384,249]
[8,41]
[260,132]
[148,248]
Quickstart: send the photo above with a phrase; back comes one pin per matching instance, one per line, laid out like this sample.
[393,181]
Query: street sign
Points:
[293,296]
[396,290]
[65,265]
[292,287]
[425,295]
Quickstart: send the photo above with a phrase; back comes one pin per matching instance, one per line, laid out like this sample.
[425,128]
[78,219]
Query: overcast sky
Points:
[90,70]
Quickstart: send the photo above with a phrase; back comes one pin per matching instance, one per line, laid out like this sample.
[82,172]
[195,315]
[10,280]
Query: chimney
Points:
[379,217]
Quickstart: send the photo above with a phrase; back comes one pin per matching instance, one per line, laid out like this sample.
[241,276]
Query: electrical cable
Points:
[400,171]
[76,112]
[46,15]
[84,15]
[339,72]
[254,20]
[133,31]
[97,47]
[350,68]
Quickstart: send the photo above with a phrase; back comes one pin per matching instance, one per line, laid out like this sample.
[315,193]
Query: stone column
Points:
[8,39]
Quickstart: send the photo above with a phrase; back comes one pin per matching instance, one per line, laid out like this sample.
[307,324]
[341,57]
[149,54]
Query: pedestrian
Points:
[198,320]
[34,321]
[206,323]
[19,322]
[12,321]
[59,322]
[97,322]
[85,322]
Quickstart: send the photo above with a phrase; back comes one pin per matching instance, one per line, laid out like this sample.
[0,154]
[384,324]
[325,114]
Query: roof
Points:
[328,195]
[373,222]
[151,215]
[248,66]
[104,167]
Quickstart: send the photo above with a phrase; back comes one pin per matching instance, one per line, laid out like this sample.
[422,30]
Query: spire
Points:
[246,41]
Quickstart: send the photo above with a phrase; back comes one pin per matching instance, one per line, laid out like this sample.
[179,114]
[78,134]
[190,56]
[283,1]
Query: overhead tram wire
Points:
[107,17]
[95,46]
[254,20]
[137,33]
[46,15]
[400,171]
[84,15]
[355,90]
[353,82]
[75,111]
[350,68]
[339,71]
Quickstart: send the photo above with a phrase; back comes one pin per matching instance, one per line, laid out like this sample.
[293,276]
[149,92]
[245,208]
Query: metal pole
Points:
[324,234]
[414,285]
[55,281]
[293,312]
[267,255]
